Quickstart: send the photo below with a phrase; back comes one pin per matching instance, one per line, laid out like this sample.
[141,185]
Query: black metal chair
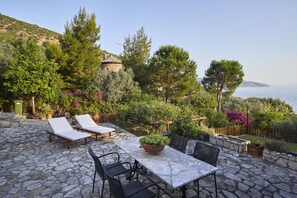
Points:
[133,189]
[209,154]
[178,142]
[115,168]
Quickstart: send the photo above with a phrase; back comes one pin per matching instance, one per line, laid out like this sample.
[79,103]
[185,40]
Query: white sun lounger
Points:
[86,123]
[62,129]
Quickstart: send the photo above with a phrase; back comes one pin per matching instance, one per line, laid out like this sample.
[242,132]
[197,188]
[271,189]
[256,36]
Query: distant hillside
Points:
[246,83]
[252,84]
[19,28]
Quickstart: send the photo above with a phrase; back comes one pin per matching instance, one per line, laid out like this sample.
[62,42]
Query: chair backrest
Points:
[115,186]
[85,120]
[98,166]
[179,143]
[206,153]
[60,125]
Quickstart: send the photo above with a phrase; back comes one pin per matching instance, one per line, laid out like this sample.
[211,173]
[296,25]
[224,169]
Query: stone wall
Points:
[231,143]
[281,159]
[8,120]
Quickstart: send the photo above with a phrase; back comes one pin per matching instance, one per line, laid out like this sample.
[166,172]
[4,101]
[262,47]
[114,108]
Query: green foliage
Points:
[147,116]
[140,97]
[154,139]
[203,100]
[184,125]
[263,119]
[82,56]
[216,119]
[204,132]
[276,145]
[222,78]
[6,58]
[31,75]
[172,73]
[116,86]
[136,55]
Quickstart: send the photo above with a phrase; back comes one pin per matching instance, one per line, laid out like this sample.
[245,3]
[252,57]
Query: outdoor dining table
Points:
[175,168]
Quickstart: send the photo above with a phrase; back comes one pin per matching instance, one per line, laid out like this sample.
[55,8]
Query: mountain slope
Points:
[19,28]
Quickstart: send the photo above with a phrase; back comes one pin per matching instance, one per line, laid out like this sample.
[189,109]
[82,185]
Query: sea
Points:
[284,93]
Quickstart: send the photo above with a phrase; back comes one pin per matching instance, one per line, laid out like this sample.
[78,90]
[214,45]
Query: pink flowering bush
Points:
[237,117]
[84,101]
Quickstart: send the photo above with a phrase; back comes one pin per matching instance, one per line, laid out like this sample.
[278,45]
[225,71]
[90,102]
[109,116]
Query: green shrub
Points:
[217,119]
[263,120]
[204,133]
[184,125]
[147,116]
[154,139]
[276,145]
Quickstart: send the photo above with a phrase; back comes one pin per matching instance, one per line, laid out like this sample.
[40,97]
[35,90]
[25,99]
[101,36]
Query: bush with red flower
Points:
[82,102]
[237,117]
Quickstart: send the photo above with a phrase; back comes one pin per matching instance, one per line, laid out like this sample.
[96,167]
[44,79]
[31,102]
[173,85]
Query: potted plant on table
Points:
[255,149]
[153,143]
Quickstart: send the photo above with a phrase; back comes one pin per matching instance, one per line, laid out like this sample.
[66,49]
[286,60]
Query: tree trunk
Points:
[219,98]
[33,105]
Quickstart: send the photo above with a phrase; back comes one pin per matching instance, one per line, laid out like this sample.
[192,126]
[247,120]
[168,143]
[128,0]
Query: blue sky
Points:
[261,35]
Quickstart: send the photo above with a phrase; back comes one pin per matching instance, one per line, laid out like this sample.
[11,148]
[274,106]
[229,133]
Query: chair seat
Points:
[116,170]
[132,187]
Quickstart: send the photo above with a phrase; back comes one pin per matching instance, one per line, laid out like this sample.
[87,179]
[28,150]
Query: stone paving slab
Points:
[31,166]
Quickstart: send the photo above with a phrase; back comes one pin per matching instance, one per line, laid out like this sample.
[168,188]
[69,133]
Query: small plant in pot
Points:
[255,149]
[153,143]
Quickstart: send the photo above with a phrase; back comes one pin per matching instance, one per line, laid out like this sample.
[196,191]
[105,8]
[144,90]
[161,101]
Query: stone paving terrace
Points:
[31,166]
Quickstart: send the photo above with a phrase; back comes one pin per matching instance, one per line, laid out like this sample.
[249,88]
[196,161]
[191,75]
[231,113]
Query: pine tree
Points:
[82,56]
[172,73]
[136,55]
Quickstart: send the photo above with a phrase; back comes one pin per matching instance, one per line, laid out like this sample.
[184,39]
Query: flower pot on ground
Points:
[255,150]
[153,143]
[96,117]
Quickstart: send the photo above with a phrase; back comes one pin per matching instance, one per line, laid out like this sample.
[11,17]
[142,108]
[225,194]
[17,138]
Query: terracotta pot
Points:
[96,117]
[152,148]
[255,150]
[49,116]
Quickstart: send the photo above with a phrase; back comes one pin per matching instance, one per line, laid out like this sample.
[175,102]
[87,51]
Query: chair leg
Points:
[215,180]
[94,181]
[197,185]
[102,188]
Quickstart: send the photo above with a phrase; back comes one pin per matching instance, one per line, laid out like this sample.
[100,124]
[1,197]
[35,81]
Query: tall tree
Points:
[30,74]
[82,54]
[222,78]
[172,73]
[6,57]
[116,86]
[136,55]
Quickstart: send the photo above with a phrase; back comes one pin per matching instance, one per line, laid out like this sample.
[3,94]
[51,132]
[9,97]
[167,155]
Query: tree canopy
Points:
[136,55]
[82,56]
[172,73]
[222,78]
[116,86]
[30,74]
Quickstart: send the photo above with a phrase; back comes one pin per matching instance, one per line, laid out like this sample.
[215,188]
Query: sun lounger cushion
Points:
[99,129]
[73,135]
[62,128]
[88,124]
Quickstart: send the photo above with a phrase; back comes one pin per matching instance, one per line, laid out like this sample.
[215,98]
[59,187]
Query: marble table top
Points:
[172,166]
